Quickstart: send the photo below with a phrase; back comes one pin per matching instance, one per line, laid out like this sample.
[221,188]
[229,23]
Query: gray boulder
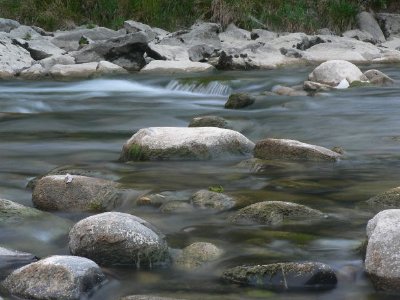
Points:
[179,143]
[366,22]
[133,26]
[203,33]
[360,35]
[118,239]
[63,72]
[56,277]
[288,91]
[126,51]
[6,25]
[25,32]
[284,276]
[311,86]
[13,58]
[205,199]
[168,52]
[53,60]
[390,24]
[283,149]
[262,35]
[334,71]
[275,213]
[382,262]
[200,53]
[386,200]
[75,193]
[377,77]
[209,121]
[176,207]
[197,255]
[11,260]
[239,100]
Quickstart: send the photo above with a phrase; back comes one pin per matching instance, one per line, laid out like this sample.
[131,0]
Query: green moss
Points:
[136,153]
[357,83]
[216,188]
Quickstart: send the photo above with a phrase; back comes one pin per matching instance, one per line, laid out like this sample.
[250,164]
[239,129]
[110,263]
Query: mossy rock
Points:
[239,100]
[387,200]
[14,213]
[284,276]
[196,255]
[275,213]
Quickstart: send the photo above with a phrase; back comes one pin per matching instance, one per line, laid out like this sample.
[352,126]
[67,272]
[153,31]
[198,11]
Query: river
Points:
[44,125]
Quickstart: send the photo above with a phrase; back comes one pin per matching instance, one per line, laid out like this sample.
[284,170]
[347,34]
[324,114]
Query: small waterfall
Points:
[211,88]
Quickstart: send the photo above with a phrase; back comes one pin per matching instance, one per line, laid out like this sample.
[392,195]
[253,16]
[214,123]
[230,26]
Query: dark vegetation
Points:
[286,15]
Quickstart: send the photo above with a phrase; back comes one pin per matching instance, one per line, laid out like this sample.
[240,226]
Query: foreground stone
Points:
[172,67]
[118,239]
[75,193]
[176,207]
[178,143]
[386,200]
[334,71]
[284,276]
[382,262]
[56,277]
[205,199]
[197,255]
[12,259]
[275,213]
[292,150]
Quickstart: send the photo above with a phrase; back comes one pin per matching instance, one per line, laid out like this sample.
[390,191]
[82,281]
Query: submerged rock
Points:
[118,239]
[12,259]
[386,200]
[377,77]
[75,193]
[333,72]
[284,276]
[275,213]
[292,150]
[197,255]
[209,121]
[56,277]
[159,199]
[205,199]
[176,206]
[239,100]
[382,262]
[179,143]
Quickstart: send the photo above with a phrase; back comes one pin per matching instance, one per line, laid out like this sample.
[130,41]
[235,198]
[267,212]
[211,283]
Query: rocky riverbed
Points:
[186,178]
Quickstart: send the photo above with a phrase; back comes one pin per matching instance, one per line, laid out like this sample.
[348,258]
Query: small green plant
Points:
[136,152]
[96,207]
[216,188]
[90,26]
[27,36]
[83,41]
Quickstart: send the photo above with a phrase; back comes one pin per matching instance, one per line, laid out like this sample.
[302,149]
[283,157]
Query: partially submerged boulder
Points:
[239,100]
[275,213]
[197,255]
[179,143]
[118,239]
[56,277]
[377,77]
[205,199]
[75,193]
[284,276]
[209,121]
[284,149]
[334,71]
[382,262]
[11,260]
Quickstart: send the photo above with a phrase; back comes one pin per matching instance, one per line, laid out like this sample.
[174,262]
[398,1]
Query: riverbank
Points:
[29,52]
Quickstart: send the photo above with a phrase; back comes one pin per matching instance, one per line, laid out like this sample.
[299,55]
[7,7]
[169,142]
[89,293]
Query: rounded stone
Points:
[205,199]
[118,239]
[56,277]
[75,193]
[196,255]
[284,276]
[209,121]
[275,213]
[239,100]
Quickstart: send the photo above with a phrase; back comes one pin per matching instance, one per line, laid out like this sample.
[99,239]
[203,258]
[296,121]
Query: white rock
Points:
[344,84]
[172,67]
[108,68]
[33,73]
[47,63]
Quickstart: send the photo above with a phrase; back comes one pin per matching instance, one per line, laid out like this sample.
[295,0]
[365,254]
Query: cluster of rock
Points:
[30,52]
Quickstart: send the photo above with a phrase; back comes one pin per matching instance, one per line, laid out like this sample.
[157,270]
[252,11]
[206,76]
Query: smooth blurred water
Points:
[44,125]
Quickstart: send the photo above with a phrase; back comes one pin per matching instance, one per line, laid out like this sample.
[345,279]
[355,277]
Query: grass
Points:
[282,15]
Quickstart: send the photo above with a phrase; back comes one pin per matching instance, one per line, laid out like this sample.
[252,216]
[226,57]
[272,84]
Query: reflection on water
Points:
[84,124]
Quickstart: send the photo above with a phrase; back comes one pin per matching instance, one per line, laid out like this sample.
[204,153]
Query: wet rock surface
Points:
[209,200]
[239,100]
[197,255]
[11,260]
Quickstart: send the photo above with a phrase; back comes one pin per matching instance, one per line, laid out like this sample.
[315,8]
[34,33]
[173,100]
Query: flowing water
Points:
[44,125]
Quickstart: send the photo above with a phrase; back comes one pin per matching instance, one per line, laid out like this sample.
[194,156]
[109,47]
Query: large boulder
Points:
[56,277]
[382,262]
[197,255]
[284,276]
[126,51]
[209,121]
[334,71]
[284,149]
[75,193]
[178,143]
[390,24]
[13,58]
[275,213]
[173,67]
[209,200]
[11,260]
[367,22]
[118,239]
